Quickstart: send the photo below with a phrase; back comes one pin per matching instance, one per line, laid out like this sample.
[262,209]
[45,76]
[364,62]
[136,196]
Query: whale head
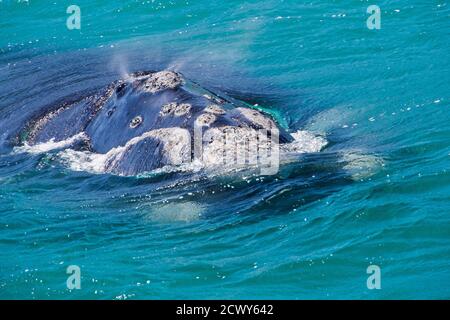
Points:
[151,119]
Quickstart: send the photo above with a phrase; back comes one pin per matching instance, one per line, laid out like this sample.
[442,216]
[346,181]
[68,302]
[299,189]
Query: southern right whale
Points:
[153,119]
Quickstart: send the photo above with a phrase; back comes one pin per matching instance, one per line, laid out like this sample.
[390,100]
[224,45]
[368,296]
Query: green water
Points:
[381,98]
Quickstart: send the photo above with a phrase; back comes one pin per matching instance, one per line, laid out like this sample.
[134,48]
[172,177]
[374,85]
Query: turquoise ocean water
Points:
[381,98]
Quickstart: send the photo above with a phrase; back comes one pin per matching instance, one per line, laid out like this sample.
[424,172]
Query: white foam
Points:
[83,160]
[305,142]
[49,145]
[193,166]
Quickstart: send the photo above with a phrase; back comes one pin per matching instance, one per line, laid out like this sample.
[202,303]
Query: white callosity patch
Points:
[214,108]
[258,118]
[162,80]
[182,109]
[174,108]
[174,147]
[205,119]
[168,109]
[136,122]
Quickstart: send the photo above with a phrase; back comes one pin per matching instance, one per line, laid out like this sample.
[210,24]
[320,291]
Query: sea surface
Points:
[377,194]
